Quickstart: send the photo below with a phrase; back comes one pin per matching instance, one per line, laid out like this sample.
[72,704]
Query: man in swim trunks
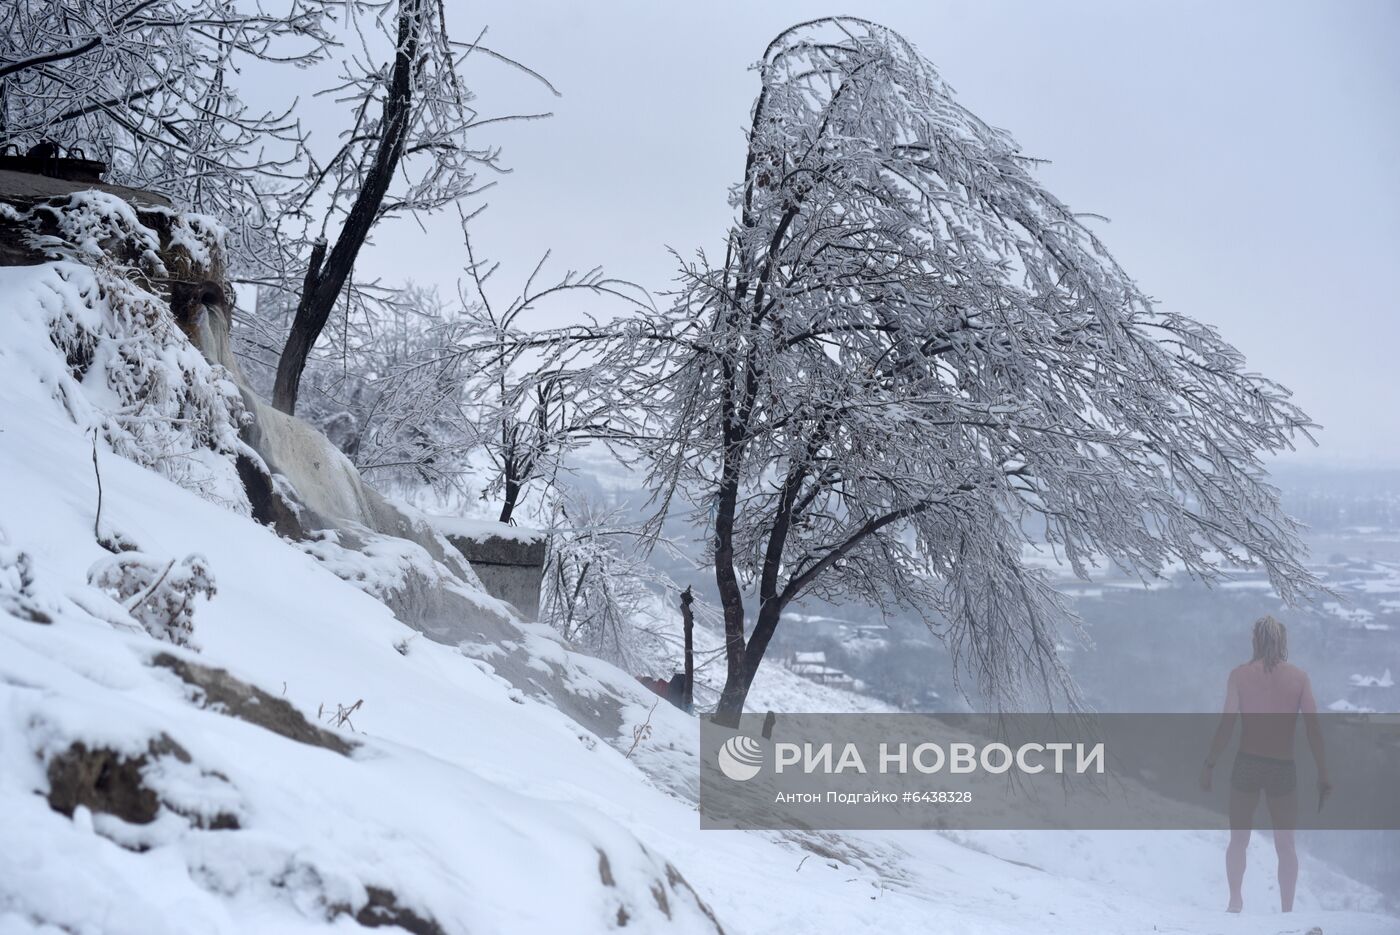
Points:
[1266,694]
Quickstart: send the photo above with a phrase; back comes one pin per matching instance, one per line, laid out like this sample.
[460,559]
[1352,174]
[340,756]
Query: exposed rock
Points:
[605,869]
[497,543]
[272,504]
[383,909]
[106,781]
[236,698]
[172,249]
[679,885]
[24,190]
[15,249]
[193,299]
[674,884]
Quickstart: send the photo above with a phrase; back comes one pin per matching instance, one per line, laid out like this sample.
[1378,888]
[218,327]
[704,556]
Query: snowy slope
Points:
[475,804]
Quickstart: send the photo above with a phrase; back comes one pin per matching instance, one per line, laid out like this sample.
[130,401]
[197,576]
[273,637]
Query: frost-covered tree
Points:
[534,401]
[595,586]
[411,383]
[152,86]
[404,414]
[601,592]
[383,392]
[914,362]
[148,86]
[409,150]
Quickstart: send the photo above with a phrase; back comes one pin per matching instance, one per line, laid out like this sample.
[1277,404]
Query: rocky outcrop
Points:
[295,479]
[106,781]
[217,689]
[150,755]
[111,782]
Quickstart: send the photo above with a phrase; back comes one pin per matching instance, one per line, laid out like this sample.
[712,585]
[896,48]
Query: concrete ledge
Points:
[28,188]
[509,560]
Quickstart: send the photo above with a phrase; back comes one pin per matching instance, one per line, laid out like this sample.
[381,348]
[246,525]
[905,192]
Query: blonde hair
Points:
[1270,642]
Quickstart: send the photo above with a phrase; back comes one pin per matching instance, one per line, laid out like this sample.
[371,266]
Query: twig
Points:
[131,609]
[97,521]
[341,717]
[642,731]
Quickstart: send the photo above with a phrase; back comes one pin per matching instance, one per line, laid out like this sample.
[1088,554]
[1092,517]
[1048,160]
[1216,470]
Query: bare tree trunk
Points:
[733,696]
[326,275]
[510,496]
[731,597]
[301,338]
[740,680]
[688,620]
[768,616]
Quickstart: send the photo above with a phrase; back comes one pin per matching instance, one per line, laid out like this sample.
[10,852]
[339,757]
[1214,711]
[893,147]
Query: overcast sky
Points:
[1248,155]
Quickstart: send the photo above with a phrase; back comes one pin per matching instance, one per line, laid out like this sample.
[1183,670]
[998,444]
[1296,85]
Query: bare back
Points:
[1282,692]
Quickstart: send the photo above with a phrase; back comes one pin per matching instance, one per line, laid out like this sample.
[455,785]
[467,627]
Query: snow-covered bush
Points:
[107,344]
[159,594]
[17,584]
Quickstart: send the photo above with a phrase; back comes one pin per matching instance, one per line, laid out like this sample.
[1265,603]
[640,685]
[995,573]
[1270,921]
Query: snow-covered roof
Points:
[814,669]
[1373,681]
[1341,705]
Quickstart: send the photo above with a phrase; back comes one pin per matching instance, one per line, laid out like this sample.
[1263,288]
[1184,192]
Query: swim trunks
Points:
[1252,773]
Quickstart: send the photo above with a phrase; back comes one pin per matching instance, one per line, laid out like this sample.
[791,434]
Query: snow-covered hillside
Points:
[452,798]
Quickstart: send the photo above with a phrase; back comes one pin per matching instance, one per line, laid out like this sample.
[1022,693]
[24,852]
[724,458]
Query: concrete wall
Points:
[508,560]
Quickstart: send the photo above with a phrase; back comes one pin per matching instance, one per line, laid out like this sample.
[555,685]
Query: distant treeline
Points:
[1329,499]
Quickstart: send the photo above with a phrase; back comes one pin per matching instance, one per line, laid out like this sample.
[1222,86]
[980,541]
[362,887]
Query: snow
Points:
[472,799]
[1374,681]
[1260,584]
[482,529]
[1351,614]
[91,221]
[389,569]
[199,235]
[123,374]
[416,811]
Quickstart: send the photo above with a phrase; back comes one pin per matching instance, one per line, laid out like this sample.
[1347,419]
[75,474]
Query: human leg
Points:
[1283,812]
